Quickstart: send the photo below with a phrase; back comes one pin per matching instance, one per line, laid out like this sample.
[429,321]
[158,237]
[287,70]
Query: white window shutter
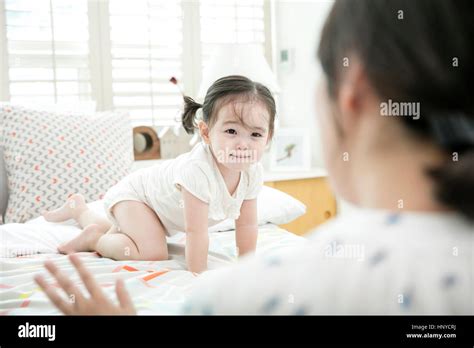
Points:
[146,47]
[119,53]
[231,21]
[47,49]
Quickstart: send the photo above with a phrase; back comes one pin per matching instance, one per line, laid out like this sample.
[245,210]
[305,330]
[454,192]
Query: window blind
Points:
[119,53]
[231,21]
[47,45]
[146,48]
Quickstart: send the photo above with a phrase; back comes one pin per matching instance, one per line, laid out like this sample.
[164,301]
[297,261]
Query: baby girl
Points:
[218,179]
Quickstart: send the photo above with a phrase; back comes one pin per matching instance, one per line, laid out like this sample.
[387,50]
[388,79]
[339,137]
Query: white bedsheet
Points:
[157,287]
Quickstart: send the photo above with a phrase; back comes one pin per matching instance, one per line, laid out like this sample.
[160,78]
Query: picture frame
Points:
[290,150]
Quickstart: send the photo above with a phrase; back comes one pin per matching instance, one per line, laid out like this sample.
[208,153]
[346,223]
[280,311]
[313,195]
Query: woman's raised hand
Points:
[96,304]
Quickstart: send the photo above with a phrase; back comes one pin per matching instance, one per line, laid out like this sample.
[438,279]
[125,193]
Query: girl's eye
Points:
[231,131]
[256,135]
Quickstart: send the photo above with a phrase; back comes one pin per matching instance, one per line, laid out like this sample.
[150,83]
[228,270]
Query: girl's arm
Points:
[197,238]
[247,227]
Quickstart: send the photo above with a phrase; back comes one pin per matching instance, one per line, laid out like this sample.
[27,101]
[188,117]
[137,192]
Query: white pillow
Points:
[273,206]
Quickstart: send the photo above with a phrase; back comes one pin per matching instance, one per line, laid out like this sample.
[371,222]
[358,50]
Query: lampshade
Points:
[238,59]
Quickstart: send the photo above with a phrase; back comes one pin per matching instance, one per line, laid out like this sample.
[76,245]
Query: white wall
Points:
[297,25]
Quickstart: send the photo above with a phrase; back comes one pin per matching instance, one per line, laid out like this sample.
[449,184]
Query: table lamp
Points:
[237,59]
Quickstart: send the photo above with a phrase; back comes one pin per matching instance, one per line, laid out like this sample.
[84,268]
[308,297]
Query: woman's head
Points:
[238,117]
[411,60]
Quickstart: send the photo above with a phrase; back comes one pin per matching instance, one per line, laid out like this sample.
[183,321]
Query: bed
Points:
[157,287]
[46,155]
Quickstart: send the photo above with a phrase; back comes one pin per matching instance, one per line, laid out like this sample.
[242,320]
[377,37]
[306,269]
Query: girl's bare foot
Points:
[73,207]
[86,241]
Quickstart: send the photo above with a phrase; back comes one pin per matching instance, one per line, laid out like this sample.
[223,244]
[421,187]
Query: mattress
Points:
[156,287]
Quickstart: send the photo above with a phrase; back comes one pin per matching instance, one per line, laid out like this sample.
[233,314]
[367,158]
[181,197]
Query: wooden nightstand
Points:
[313,190]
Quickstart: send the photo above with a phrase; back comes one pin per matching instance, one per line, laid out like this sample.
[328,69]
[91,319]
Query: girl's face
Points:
[240,134]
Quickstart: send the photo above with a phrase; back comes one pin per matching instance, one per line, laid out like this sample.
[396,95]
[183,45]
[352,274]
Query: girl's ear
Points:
[268,145]
[204,131]
[269,139]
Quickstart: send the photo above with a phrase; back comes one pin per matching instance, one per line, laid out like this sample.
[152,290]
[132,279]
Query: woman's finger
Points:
[87,278]
[123,296]
[64,282]
[54,297]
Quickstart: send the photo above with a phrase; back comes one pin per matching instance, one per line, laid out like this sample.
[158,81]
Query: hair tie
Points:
[199,114]
[453,131]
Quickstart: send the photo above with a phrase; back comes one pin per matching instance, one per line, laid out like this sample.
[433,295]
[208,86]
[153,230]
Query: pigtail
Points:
[188,118]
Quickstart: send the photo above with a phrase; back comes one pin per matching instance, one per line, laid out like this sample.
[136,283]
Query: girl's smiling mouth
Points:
[241,156]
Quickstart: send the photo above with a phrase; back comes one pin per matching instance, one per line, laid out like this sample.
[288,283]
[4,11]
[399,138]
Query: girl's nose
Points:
[242,145]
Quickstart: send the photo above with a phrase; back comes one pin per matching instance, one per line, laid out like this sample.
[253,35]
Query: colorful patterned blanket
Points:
[156,287]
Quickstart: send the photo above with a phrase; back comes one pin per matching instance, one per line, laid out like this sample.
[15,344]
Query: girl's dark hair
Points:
[222,91]
[415,51]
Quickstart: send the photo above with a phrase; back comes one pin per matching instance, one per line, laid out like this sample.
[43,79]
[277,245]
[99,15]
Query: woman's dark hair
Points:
[225,90]
[415,51]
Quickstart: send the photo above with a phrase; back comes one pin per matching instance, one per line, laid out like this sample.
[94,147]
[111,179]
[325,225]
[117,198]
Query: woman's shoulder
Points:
[367,221]
[405,235]
[363,265]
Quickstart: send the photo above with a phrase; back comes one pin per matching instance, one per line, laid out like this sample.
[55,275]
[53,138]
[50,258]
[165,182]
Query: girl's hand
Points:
[96,304]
